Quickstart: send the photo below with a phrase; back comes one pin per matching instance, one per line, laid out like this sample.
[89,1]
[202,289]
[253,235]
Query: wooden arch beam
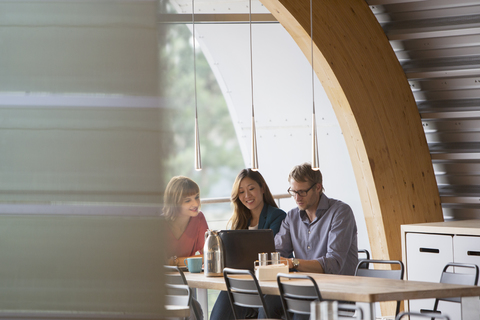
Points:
[376,111]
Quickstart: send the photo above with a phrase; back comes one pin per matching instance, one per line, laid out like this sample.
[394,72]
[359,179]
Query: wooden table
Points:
[365,291]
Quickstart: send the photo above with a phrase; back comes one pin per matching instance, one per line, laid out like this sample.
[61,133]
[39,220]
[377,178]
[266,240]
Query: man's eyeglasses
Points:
[301,193]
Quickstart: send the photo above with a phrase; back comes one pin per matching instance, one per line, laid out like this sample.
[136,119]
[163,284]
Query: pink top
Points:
[192,239]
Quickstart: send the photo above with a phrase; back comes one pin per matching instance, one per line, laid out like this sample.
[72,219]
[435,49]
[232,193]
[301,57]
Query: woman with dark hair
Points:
[253,208]
[253,203]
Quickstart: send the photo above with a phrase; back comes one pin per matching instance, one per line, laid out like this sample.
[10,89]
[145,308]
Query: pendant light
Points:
[198,157]
[254,134]
[315,161]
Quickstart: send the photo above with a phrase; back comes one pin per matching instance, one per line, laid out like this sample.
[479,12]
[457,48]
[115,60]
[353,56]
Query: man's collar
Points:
[322,206]
[323,203]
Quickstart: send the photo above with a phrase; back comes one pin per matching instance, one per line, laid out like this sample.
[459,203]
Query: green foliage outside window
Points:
[221,156]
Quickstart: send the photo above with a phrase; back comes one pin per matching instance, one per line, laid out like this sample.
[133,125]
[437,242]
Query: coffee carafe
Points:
[213,254]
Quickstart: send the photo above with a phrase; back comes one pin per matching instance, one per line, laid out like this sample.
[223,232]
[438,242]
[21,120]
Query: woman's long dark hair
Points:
[241,214]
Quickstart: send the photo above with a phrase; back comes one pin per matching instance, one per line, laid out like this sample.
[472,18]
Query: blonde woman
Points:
[187,225]
[253,208]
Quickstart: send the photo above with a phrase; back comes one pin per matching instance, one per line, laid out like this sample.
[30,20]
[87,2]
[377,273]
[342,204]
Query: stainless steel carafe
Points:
[213,254]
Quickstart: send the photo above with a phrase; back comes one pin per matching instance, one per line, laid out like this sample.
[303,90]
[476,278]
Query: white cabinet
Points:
[428,247]
[466,249]
[427,254]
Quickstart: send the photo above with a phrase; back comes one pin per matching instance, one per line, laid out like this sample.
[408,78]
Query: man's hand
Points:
[287,262]
[304,265]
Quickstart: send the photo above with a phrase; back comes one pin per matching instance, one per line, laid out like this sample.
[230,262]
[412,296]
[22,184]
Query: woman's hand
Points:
[179,261]
[172,261]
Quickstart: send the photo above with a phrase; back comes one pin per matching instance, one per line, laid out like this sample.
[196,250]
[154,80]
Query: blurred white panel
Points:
[85,267]
[80,117]
[79,46]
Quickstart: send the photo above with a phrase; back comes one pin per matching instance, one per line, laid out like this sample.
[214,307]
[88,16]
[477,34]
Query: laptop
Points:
[241,247]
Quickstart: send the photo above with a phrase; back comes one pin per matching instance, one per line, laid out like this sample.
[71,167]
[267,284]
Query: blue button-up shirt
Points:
[331,238]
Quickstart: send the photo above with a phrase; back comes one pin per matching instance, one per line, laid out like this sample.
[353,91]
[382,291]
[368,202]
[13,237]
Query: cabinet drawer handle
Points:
[473,253]
[429,250]
[429,311]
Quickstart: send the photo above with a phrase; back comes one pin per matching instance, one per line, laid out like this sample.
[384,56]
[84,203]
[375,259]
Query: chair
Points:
[174,276]
[456,278]
[297,298]
[424,315]
[367,257]
[381,273]
[178,296]
[243,291]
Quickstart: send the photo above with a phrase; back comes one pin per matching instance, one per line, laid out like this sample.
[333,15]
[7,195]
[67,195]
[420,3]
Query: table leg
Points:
[470,308]
[368,310]
[202,298]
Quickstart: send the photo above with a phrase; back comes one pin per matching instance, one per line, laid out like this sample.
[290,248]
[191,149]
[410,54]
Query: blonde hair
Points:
[177,189]
[242,214]
[304,173]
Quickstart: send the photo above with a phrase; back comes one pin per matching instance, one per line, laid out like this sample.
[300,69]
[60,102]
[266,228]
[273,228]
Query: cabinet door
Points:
[426,254]
[466,249]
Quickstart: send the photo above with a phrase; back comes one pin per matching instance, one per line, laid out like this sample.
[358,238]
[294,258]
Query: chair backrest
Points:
[363,254]
[381,273]
[178,295]
[423,315]
[458,277]
[296,297]
[243,289]
[175,276]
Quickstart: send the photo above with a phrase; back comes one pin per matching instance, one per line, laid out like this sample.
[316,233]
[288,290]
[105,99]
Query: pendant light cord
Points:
[315,160]
[198,156]
[311,55]
[254,134]
[194,58]
[251,55]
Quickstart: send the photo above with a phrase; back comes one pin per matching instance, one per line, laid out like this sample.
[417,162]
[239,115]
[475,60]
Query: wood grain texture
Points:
[376,111]
[351,288]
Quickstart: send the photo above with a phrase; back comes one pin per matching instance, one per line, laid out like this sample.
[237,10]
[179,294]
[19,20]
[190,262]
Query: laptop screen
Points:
[241,247]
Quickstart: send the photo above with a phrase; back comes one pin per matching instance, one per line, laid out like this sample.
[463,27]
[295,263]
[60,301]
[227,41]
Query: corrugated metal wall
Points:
[437,42]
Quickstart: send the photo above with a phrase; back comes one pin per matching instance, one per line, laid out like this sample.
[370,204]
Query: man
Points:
[321,232]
